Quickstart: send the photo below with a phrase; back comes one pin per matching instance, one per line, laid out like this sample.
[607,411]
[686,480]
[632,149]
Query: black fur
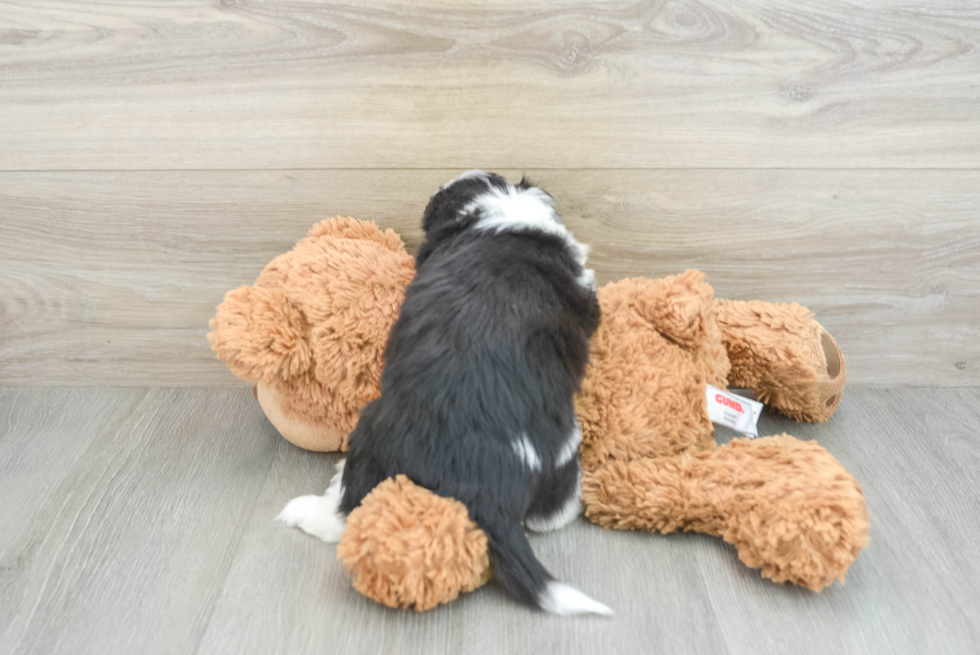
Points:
[491,344]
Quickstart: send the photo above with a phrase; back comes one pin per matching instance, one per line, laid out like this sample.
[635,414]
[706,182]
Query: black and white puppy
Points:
[480,372]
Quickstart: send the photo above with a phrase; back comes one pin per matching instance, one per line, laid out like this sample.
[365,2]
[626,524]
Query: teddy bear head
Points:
[310,333]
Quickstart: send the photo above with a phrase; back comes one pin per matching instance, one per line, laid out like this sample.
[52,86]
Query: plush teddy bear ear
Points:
[260,335]
[681,309]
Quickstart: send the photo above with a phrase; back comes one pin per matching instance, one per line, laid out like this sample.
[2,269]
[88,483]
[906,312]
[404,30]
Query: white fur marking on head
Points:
[565,515]
[526,452]
[562,599]
[523,209]
[319,516]
[513,209]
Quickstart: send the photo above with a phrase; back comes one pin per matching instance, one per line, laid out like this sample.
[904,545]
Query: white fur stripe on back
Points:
[526,452]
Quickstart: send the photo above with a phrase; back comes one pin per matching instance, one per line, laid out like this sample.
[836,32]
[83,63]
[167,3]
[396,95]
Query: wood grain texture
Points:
[297,83]
[125,510]
[44,437]
[155,533]
[110,278]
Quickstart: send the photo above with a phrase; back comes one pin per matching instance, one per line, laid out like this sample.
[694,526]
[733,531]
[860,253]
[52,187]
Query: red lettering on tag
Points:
[728,402]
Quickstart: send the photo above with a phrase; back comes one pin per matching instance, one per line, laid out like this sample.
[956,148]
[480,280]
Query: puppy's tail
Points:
[517,568]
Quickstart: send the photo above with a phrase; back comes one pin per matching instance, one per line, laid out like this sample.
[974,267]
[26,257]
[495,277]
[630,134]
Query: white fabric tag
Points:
[738,413]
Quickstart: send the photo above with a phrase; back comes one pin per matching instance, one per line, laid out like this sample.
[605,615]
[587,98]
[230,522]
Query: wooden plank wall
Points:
[154,155]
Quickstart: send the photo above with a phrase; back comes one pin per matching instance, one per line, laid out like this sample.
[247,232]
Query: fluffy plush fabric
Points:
[656,347]
[312,329]
[409,548]
[788,506]
[315,324]
[782,354]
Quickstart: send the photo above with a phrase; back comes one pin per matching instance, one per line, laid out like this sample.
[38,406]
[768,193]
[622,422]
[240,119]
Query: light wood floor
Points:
[141,521]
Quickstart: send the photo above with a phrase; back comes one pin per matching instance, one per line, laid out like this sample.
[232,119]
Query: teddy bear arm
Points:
[786,358]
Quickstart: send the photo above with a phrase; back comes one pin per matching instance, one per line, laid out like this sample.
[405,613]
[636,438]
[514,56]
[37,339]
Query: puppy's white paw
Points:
[314,515]
[319,516]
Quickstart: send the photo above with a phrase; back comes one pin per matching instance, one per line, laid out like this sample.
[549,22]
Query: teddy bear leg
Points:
[787,506]
[319,516]
[408,548]
[786,358]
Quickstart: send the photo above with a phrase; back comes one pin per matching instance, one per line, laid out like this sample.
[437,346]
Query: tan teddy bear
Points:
[310,335]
